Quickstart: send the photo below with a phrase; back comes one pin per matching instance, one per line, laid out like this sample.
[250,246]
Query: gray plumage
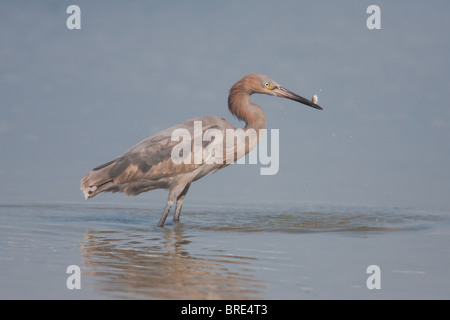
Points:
[148,165]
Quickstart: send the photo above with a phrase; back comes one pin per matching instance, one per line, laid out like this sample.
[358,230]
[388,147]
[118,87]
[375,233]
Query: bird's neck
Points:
[242,107]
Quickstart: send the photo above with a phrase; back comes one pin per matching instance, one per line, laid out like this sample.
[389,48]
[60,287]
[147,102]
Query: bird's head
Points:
[260,83]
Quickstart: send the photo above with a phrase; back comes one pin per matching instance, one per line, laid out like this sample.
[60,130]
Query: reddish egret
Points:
[149,165]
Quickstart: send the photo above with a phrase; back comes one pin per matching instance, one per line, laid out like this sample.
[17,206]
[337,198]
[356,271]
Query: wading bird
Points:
[149,164]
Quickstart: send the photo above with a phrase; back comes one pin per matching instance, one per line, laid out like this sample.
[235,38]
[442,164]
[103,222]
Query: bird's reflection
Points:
[136,263]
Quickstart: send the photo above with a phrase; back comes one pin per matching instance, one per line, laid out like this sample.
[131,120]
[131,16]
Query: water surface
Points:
[223,252]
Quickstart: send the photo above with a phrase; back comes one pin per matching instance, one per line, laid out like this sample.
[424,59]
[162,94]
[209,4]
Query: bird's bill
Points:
[283,92]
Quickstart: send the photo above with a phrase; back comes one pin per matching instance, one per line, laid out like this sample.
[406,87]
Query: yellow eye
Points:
[268,85]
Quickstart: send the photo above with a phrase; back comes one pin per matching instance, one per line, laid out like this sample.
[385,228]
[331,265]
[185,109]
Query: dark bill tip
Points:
[282,92]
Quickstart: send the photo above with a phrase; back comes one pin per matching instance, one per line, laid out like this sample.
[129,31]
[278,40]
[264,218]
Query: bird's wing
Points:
[151,159]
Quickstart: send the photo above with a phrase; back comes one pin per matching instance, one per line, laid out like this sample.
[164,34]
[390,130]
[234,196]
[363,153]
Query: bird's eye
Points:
[266,84]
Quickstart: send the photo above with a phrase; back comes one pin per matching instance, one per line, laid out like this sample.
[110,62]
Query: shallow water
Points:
[222,252]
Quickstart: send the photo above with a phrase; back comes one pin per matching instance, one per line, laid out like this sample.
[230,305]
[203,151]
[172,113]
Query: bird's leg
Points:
[179,190]
[176,216]
[180,200]
[165,213]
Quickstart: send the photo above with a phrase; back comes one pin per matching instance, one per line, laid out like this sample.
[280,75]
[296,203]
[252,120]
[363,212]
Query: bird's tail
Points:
[98,180]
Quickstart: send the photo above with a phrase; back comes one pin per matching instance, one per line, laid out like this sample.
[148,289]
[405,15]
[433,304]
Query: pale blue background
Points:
[71,100]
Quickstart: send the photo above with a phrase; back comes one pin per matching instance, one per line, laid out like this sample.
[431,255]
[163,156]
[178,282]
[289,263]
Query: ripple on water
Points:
[298,221]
